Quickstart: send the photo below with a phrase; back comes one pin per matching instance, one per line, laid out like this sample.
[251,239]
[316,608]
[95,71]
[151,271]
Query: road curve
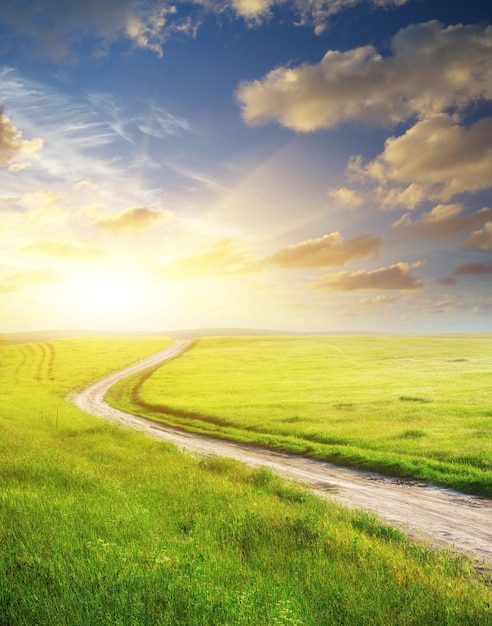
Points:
[440,517]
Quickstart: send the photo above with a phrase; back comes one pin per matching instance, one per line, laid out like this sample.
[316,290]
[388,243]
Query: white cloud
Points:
[446,159]
[313,13]
[395,277]
[431,69]
[444,220]
[54,27]
[346,197]
[481,239]
[12,145]
[326,251]
[134,220]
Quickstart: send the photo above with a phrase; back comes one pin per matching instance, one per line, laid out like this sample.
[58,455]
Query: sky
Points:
[307,165]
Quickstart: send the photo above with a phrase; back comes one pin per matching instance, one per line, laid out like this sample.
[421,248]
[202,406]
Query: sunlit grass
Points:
[100,525]
[411,406]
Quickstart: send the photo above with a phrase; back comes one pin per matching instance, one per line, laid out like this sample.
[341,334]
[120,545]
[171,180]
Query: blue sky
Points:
[311,165]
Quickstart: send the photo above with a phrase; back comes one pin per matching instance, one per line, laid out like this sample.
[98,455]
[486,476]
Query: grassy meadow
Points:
[418,407]
[101,525]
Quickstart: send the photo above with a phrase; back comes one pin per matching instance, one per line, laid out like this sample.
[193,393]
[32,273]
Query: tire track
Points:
[440,517]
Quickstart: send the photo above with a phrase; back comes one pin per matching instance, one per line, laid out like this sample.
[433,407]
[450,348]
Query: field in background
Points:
[412,406]
[100,525]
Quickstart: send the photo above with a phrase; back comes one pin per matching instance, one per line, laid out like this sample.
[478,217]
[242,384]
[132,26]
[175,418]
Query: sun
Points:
[106,294]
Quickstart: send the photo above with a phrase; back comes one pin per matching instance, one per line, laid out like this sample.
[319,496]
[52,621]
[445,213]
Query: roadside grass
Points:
[410,406]
[101,525]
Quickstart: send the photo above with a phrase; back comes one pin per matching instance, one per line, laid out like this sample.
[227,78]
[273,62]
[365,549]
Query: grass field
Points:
[100,525]
[417,407]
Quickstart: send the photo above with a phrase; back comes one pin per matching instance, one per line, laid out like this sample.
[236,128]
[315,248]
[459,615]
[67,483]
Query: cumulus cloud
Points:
[56,26]
[473,269]
[481,239]
[396,277]
[253,10]
[346,197]
[446,159]
[361,85]
[444,220]
[134,219]
[12,144]
[329,250]
[223,257]
[314,13]
[64,250]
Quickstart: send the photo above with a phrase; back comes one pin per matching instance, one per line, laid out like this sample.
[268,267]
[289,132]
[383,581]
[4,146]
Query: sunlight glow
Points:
[108,293]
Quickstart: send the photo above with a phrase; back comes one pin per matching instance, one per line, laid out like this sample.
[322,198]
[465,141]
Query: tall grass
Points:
[418,407]
[100,525]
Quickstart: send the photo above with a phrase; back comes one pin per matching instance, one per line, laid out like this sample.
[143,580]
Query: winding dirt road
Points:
[440,517]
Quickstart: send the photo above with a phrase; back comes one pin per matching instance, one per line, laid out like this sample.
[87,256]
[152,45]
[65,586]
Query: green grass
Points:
[417,407]
[101,525]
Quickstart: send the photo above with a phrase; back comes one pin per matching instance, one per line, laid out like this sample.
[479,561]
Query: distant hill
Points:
[190,333]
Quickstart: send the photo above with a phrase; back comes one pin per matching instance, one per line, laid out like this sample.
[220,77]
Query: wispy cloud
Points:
[396,277]
[128,118]
[82,131]
[327,251]
[223,257]
[446,282]
[440,306]
[54,27]
[313,13]
[64,250]
[381,300]
[27,278]
[473,269]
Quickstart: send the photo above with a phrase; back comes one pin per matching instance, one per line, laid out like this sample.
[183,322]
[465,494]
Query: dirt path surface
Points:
[440,517]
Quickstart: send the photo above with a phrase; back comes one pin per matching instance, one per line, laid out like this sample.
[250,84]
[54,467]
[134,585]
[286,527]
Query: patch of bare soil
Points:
[440,517]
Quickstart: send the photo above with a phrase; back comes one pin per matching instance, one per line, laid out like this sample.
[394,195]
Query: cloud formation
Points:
[27,278]
[445,282]
[473,269]
[444,220]
[363,86]
[397,277]
[447,159]
[327,251]
[54,26]
[481,239]
[64,250]
[346,197]
[380,300]
[135,219]
[223,257]
[11,142]
[314,13]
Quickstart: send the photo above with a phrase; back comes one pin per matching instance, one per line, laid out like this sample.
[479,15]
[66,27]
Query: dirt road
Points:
[441,517]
